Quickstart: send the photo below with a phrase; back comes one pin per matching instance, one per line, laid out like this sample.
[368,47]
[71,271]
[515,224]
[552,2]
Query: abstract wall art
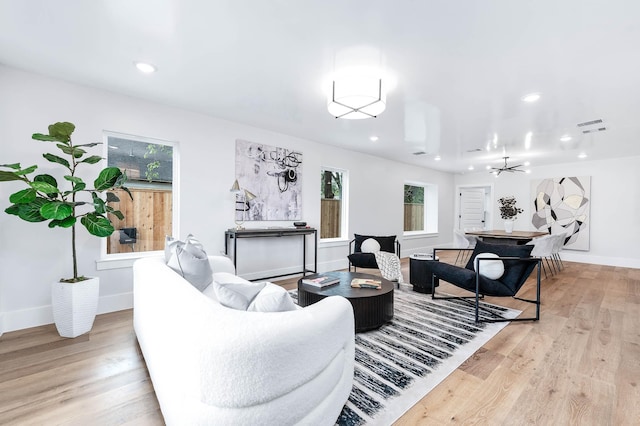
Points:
[562,205]
[274,175]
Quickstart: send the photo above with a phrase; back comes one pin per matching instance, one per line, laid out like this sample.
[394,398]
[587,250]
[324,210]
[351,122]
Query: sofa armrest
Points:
[221,264]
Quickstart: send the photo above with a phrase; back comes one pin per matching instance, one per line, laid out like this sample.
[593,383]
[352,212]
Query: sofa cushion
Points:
[236,294]
[191,261]
[272,298]
[465,278]
[386,243]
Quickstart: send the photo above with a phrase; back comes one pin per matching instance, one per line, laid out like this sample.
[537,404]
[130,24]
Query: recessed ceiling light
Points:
[526,163]
[527,171]
[488,167]
[373,138]
[565,138]
[470,167]
[437,158]
[145,67]
[531,97]
[582,155]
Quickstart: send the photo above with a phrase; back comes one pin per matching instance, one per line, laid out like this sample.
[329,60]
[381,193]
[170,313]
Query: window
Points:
[333,203]
[420,208]
[150,165]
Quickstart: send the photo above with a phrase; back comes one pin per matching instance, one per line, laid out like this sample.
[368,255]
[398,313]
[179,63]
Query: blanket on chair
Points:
[389,265]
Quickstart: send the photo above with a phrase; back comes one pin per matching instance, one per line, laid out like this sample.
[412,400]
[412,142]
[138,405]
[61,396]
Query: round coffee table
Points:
[371,307]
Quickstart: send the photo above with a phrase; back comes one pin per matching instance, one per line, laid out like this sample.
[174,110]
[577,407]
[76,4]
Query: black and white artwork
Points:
[274,175]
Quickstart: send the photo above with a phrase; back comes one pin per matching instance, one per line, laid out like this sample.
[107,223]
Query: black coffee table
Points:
[371,307]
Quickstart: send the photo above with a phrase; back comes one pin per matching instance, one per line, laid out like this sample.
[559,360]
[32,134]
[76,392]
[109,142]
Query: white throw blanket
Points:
[389,265]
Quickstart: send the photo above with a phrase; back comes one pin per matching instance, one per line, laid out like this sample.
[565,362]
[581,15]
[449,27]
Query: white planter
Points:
[75,306]
[508,226]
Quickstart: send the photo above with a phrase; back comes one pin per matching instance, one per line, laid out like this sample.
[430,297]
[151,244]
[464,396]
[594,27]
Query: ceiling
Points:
[456,70]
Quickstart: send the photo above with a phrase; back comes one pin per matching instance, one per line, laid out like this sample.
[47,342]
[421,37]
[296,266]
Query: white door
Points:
[472,208]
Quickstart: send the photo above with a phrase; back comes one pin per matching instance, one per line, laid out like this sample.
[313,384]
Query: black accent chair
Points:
[357,259]
[518,266]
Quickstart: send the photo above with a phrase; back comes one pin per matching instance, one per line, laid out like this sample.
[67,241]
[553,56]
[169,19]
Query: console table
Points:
[236,234]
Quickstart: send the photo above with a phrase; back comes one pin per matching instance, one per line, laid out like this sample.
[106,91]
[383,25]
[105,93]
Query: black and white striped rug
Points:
[402,361]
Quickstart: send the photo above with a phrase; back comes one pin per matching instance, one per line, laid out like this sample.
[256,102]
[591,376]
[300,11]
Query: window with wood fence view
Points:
[148,216]
[413,208]
[331,204]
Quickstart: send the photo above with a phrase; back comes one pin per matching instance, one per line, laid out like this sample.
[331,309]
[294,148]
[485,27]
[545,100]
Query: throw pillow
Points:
[370,246]
[272,298]
[170,245]
[237,295]
[492,269]
[191,261]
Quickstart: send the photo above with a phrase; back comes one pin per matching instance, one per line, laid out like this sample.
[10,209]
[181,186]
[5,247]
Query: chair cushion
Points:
[492,269]
[363,260]
[466,279]
[514,270]
[386,243]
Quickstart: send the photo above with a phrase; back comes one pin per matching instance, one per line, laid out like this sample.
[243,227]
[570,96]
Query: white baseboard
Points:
[622,262]
[43,315]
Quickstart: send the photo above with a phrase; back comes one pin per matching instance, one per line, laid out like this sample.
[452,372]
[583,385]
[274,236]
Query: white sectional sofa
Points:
[210,364]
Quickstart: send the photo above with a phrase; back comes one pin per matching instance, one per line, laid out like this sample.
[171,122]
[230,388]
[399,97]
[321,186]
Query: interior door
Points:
[472,208]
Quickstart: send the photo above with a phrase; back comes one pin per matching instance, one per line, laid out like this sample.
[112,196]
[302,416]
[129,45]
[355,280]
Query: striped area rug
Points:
[402,361]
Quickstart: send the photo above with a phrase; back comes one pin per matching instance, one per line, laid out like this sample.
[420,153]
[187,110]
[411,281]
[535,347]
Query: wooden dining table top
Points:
[516,235]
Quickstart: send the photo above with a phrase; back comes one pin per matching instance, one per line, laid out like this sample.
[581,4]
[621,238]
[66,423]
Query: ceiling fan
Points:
[506,168]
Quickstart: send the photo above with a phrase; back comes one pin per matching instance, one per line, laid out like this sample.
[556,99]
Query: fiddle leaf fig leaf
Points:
[112,197]
[72,150]
[118,214]
[73,179]
[98,204]
[47,179]
[15,166]
[30,212]
[26,171]
[24,196]
[92,160]
[56,159]
[7,176]
[64,223]
[46,138]
[97,225]
[44,187]
[107,178]
[56,210]
[62,131]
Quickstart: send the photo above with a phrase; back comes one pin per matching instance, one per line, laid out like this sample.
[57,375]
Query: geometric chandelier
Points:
[355,98]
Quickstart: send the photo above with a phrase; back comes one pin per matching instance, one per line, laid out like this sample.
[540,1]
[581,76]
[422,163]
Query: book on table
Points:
[321,281]
[366,283]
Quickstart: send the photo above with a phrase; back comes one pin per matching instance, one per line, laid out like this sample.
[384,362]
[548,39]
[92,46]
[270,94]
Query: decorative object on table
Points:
[509,212]
[300,224]
[561,205]
[242,206]
[274,174]
[74,300]
[366,283]
[321,281]
[409,357]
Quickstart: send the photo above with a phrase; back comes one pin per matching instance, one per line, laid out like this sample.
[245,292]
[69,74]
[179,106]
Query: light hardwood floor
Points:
[580,364]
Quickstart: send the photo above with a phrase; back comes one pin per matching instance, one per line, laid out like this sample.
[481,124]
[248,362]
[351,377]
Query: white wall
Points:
[32,256]
[615,203]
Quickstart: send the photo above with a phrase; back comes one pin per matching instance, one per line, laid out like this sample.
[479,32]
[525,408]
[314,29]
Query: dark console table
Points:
[236,234]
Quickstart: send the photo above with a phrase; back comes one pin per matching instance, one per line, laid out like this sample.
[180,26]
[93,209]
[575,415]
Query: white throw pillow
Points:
[272,298]
[237,295]
[191,261]
[492,269]
[370,246]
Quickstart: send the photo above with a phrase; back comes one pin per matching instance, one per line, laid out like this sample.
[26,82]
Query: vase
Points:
[75,306]
[508,226]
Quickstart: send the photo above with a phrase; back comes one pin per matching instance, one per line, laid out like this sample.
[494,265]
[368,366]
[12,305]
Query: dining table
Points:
[497,236]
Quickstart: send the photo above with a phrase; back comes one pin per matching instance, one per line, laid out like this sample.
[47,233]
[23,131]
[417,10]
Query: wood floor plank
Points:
[580,364]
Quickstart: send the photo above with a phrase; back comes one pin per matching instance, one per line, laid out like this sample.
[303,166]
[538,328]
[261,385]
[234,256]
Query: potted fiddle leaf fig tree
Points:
[74,300]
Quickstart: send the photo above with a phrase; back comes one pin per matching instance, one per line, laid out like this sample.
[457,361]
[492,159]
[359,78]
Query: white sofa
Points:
[210,364]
